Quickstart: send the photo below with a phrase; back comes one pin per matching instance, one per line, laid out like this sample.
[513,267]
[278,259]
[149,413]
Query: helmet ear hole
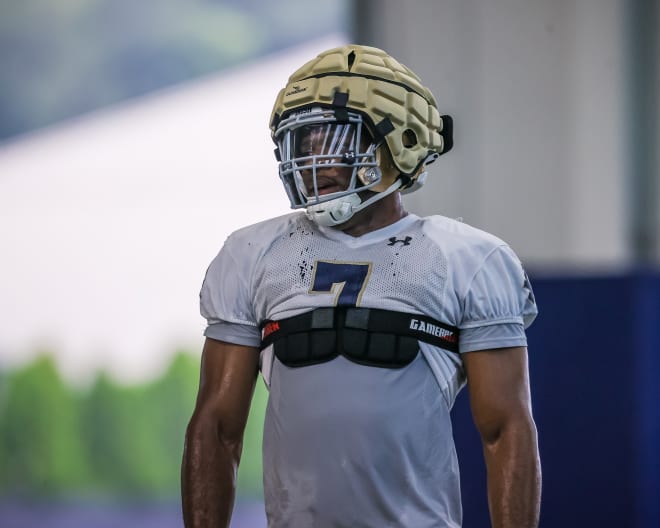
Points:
[409,138]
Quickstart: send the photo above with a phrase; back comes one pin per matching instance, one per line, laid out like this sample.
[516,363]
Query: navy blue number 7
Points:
[346,280]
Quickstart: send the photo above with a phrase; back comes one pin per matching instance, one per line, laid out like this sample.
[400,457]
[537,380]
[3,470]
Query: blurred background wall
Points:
[133,139]
[556,150]
[557,136]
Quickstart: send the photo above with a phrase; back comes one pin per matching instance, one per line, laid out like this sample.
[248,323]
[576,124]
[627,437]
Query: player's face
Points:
[333,147]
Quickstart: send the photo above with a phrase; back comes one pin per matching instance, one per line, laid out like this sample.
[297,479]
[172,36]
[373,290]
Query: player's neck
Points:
[381,214]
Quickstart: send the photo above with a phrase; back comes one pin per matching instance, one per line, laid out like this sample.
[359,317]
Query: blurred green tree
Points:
[170,400]
[124,442]
[109,415]
[113,440]
[40,445]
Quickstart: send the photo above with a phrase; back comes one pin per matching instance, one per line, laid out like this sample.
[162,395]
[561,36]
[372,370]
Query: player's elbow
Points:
[231,440]
[210,430]
[516,428]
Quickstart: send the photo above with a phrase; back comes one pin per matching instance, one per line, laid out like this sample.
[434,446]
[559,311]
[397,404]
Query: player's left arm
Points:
[498,384]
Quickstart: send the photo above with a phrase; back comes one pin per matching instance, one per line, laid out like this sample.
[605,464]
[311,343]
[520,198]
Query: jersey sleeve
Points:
[225,300]
[499,304]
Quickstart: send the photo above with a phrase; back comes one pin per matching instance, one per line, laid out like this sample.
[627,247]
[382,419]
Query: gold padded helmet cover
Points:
[382,89]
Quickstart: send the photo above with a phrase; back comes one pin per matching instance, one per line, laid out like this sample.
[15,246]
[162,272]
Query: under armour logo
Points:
[403,241]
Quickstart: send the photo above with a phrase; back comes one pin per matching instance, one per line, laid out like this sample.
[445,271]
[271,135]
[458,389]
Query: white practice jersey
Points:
[349,445]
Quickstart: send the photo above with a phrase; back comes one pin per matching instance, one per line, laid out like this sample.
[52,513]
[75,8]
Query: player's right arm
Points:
[214,436]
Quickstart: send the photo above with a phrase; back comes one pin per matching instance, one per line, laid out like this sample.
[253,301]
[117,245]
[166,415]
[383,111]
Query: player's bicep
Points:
[498,385]
[227,380]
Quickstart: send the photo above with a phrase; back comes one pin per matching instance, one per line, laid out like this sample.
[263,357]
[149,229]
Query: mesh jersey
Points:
[352,445]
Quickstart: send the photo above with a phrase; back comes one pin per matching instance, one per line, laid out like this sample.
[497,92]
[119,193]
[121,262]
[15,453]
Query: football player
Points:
[365,321]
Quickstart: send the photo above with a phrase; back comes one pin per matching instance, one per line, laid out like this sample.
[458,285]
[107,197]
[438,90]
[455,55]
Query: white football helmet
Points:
[352,126]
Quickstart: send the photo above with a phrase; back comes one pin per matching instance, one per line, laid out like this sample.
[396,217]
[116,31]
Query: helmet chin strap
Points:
[340,210]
